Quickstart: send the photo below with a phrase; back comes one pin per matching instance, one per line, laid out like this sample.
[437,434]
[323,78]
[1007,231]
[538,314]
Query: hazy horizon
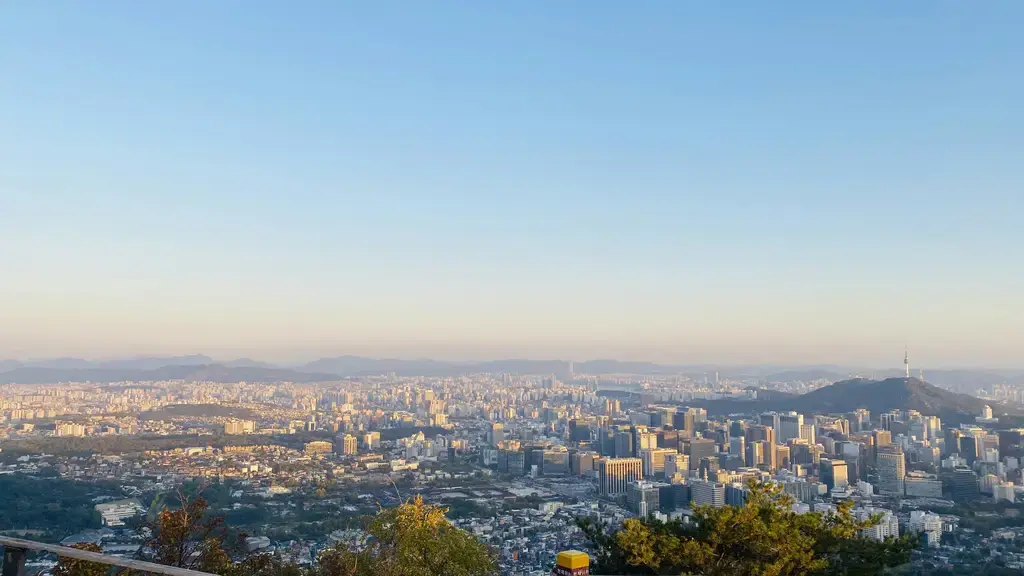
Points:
[302,360]
[668,182]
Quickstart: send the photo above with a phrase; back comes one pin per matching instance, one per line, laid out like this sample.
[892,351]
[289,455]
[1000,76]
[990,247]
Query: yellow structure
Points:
[572,563]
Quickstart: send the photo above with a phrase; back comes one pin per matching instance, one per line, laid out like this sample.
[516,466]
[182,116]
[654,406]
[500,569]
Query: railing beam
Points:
[15,548]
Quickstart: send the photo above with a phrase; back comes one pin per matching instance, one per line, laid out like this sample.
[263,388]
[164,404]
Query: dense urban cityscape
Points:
[517,459]
[572,288]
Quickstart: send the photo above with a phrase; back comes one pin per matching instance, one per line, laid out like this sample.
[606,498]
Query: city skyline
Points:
[668,182]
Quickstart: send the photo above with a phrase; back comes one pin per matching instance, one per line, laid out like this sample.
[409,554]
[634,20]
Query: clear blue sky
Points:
[686,181]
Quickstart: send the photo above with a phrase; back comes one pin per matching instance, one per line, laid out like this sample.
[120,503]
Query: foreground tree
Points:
[414,539]
[763,537]
[71,567]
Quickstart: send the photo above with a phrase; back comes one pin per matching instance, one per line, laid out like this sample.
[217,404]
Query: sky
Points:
[805,182]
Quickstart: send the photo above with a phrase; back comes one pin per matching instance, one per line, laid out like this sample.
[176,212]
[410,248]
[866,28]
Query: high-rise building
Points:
[371,440]
[755,454]
[708,468]
[646,441]
[807,432]
[624,444]
[654,461]
[497,433]
[700,448]
[239,427]
[1011,443]
[922,485]
[615,474]
[684,420]
[738,445]
[969,449]
[778,457]
[349,444]
[673,497]
[834,473]
[676,463]
[579,431]
[891,471]
[789,426]
[642,498]
[580,463]
[707,493]
[771,419]
[965,484]
[555,461]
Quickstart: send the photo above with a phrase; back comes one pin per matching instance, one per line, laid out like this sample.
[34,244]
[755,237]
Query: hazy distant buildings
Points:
[349,445]
[497,434]
[318,447]
[239,427]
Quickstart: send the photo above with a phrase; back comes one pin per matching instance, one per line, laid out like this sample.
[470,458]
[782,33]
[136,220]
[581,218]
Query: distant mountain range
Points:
[199,373]
[333,368]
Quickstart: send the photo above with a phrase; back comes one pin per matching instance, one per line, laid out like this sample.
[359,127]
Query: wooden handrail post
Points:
[14,561]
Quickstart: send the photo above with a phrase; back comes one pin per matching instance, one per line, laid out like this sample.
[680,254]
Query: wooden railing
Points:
[15,550]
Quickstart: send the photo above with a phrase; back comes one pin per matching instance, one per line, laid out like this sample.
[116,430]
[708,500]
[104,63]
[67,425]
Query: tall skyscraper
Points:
[834,473]
[1011,443]
[755,454]
[807,432]
[683,420]
[349,444]
[624,444]
[676,463]
[700,448]
[789,426]
[654,461]
[891,470]
[770,419]
[497,433]
[615,475]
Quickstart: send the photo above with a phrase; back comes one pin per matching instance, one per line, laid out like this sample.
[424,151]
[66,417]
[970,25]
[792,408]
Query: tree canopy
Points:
[413,539]
[762,537]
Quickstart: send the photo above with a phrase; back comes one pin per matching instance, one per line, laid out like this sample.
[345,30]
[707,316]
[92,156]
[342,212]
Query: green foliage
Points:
[414,539]
[71,567]
[58,507]
[763,537]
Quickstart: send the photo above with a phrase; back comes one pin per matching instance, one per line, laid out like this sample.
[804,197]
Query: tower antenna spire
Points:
[906,360]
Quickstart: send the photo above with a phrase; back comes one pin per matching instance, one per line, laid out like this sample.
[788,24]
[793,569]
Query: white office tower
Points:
[789,426]
[928,524]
